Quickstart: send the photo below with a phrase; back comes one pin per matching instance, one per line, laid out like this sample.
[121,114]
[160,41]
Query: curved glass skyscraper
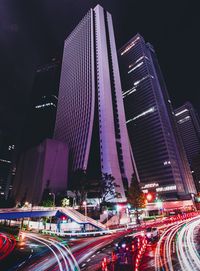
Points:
[90,115]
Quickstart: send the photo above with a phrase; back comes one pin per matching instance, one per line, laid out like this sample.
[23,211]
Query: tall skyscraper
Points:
[90,113]
[195,166]
[41,113]
[7,168]
[160,161]
[189,129]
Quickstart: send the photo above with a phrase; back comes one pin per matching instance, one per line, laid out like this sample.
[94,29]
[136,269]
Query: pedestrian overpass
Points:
[17,213]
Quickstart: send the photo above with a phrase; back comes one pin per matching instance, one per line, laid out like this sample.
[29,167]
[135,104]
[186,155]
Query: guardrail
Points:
[78,234]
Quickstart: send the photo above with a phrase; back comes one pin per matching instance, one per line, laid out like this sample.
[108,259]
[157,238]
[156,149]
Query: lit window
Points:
[184,120]
[5,161]
[140,58]
[130,46]
[181,112]
[137,66]
[142,79]
[150,110]
[45,105]
[128,92]
[167,163]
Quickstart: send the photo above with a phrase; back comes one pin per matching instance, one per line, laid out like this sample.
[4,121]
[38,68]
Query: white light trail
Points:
[188,256]
[62,255]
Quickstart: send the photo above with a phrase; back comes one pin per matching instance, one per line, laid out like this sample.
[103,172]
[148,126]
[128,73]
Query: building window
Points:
[150,110]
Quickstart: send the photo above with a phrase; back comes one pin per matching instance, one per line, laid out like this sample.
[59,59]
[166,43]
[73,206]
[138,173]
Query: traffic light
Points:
[63,219]
[151,196]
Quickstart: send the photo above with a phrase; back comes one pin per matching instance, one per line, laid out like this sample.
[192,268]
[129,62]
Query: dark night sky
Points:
[33,31]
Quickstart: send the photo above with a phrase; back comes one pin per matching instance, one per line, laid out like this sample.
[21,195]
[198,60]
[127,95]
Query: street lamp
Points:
[128,212]
[85,205]
[54,204]
[159,204]
[118,207]
[106,213]
[54,198]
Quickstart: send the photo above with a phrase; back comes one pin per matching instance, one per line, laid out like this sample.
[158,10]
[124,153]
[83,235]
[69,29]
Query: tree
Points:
[136,197]
[107,188]
[65,202]
[80,185]
[47,203]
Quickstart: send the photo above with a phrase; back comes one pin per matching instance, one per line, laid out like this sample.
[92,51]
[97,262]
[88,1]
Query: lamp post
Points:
[106,213]
[118,207]
[128,212]
[159,204]
[54,198]
[85,205]
[54,204]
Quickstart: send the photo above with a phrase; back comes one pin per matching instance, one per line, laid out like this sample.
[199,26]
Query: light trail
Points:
[187,254]
[40,266]
[63,258]
[7,244]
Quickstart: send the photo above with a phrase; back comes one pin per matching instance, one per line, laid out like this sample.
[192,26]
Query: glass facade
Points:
[150,121]
[90,115]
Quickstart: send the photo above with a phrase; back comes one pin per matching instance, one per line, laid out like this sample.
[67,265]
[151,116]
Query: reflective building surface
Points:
[90,115]
[189,128]
[159,158]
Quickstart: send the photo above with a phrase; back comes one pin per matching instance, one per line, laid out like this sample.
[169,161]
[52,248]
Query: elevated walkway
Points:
[17,213]
[80,218]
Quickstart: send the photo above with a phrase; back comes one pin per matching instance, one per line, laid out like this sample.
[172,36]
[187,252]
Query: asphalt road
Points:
[38,252]
[177,249]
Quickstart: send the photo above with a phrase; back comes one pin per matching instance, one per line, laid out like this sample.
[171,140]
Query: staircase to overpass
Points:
[80,218]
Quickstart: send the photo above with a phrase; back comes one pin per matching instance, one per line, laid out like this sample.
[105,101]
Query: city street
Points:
[177,249]
[38,252]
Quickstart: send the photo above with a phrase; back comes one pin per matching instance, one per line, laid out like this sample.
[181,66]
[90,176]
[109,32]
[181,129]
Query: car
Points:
[124,245]
[152,234]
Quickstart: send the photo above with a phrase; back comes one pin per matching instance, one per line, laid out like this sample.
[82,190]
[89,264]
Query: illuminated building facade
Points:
[189,128]
[90,115]
[158,155]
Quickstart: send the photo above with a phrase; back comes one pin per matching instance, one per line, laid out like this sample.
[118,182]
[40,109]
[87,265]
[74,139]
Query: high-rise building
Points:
[7,168]
[159,158]
[195,166]
[41,113]
[41,168]
[189,129]
[90,113]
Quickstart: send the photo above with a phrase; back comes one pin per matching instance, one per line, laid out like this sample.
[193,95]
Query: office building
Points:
[41,113]
[41,168]
[189,129]
[160,160]
[90,113]
[195,167]
[7,167]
